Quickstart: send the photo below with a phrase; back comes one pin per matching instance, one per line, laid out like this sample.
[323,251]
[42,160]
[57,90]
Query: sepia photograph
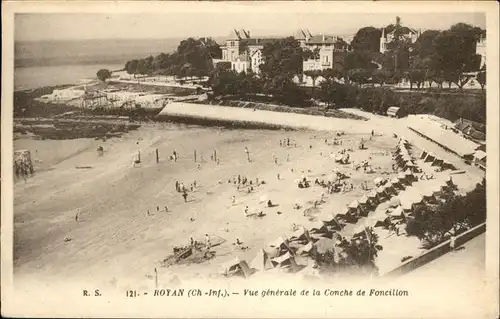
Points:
[181,153]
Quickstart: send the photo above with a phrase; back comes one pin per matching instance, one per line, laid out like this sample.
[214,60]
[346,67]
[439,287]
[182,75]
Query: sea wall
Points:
[205,114]
[436,252]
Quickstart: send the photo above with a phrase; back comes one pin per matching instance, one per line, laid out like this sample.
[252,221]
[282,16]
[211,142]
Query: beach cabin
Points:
[261,261]
[423,154]
[279,247]
[396,112]
[285,261]
[236,267]
[480,159]
[301,235]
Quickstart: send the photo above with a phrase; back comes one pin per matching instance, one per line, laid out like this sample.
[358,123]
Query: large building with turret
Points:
[243,51]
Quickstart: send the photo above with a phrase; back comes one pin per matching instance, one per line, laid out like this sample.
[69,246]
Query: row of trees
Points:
[434,223]
[436,56]
[193,58]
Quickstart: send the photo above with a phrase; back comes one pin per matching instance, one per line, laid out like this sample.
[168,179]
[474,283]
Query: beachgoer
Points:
[278,176]
[452,242]
[166,209]
[288,142]
[246,211]
[149,213]
[185,195]
[281,143]
[192,241]
[233,199]
[269,203]
[157,208]
[207,241]
[76,216]
[239,179]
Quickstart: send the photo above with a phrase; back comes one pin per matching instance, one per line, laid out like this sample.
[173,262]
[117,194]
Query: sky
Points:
[76,26]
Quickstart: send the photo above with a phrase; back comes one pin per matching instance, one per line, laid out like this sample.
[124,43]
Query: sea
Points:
[50,63]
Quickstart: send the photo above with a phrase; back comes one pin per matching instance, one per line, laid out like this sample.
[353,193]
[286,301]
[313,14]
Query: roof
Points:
[392,110]
[444,137]
[325,39]
[480,155]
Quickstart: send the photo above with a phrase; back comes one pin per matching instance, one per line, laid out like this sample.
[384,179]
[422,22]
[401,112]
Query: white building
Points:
[386,38]
[330,53]
[481,50]
[243,51]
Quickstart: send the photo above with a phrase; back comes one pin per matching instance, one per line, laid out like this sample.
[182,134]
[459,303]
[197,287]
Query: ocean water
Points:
[47,63]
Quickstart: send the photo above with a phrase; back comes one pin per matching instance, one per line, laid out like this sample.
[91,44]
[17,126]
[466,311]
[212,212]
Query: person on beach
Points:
[278,175]
[76,217]
[247,153]
[177,185]
[233,199]
[281,143]
[452,242]
[149,214]
[373,132]
[185,195]
[288,142]
[166,209]
[239,179]
[157,208]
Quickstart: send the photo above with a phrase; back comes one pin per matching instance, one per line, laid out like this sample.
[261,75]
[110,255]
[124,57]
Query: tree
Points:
[415,76]
[359,76]
[282,57]
[103,74]
[313,74]
[455,53]
[481,77]
[131,67]
[361,251]
[381,76]
[332,93]
[475,205]
[367,39]
[424,46]
[141,67]
[358,60]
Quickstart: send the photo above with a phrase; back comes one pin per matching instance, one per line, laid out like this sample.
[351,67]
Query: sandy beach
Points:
[123,231]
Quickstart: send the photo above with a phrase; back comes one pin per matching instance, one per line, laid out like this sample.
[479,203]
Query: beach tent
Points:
[261,261]
[331,221]
[300,234]
[395,202]
[381,193]
[437,162]
[378,181]
[318,228]
[423,154]
[396,213]
[363,200]
[285,260]
[236,267]
[429,158]
[279,246]
[306,249]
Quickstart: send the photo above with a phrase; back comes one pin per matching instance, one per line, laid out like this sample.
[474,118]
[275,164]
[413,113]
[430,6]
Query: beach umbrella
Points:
[408,173]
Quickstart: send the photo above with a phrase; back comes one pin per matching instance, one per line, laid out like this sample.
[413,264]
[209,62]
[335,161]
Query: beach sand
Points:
[115,239]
